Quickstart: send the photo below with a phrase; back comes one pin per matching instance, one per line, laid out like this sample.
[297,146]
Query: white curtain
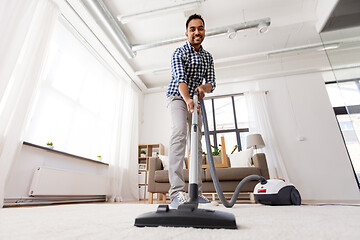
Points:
[259,122]
[26,28]
[123,177]
[15,20]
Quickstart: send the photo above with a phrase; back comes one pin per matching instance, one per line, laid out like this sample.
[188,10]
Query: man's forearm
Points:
[184,91]
[207,87]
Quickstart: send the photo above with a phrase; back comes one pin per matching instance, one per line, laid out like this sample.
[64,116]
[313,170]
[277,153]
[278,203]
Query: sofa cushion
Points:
[242,158]
[232,174]
[162,176]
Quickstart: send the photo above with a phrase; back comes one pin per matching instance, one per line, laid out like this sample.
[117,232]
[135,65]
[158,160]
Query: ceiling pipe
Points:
[266,55]
[107,22]
[209,33]
[184,6]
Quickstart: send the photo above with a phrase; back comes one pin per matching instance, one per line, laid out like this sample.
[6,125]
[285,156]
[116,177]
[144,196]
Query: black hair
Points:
[194,16]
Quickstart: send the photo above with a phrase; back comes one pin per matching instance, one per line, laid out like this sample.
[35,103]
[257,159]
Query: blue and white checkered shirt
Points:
[190,67]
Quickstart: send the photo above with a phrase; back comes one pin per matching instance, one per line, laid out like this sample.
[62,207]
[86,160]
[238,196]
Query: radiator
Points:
[58,182]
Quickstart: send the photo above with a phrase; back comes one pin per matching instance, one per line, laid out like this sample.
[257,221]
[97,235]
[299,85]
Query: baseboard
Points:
[339,202]
[49,200]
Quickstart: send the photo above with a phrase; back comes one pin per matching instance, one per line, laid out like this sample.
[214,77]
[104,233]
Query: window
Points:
[228,117]
[345,98]
[76,104]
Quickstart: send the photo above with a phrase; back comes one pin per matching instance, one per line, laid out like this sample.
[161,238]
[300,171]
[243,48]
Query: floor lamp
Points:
[256,141]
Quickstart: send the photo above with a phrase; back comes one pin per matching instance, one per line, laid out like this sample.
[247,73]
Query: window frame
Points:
[344,110]
[238,131]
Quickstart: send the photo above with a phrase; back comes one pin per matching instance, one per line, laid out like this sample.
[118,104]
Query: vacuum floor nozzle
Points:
[186,217]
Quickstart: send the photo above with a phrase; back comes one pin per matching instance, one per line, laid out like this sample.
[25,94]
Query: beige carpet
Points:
[115,221]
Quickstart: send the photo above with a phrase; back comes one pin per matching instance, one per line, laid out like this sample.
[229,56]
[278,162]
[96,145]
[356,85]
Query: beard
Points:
[197,40]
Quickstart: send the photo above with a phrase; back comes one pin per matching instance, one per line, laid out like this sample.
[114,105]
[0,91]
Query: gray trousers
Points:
[180,129]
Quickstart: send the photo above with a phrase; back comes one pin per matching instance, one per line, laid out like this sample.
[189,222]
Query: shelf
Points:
[149,149]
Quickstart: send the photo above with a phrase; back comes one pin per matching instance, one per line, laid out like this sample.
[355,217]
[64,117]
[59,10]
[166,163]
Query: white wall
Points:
[29,158]
[299,105]
[154,120]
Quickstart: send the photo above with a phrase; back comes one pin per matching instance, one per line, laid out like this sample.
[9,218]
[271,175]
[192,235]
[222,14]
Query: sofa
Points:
[229,177]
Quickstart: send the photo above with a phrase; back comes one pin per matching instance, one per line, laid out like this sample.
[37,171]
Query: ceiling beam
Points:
[184,6]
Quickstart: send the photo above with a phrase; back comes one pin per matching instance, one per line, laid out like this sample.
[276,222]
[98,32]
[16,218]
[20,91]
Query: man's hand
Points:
[202,89]
[201,92]
[190,105]
[184,91]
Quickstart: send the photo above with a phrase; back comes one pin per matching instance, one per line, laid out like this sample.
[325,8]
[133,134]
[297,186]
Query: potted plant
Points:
[142,153]
[99,158]
[234,149]
[216,151]
[50,145]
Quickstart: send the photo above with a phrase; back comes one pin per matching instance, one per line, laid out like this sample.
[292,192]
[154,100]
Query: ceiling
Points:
[251,55]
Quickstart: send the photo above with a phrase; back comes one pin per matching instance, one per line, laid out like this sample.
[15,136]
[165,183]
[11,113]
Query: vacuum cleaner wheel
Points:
[295,197]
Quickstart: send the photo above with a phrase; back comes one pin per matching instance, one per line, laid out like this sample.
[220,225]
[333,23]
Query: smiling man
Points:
[192,70]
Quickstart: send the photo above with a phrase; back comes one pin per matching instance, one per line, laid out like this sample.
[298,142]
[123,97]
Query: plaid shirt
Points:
[190,67]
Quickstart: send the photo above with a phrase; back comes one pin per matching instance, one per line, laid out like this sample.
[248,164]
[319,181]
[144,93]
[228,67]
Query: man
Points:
[190,65]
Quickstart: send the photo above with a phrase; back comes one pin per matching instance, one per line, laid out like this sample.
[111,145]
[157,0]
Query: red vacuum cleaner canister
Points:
[277,192]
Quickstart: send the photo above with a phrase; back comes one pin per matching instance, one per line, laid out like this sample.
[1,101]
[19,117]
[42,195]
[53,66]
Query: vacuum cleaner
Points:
[277,192]
[188,214]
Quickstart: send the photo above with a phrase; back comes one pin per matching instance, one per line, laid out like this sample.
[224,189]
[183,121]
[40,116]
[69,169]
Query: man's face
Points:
[195,32]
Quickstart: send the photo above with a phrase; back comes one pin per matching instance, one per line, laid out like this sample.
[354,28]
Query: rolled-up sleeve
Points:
[177,67]
[210,76]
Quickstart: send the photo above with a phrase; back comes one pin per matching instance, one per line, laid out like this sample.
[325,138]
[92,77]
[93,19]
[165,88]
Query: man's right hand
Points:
[184,91]
[190,105]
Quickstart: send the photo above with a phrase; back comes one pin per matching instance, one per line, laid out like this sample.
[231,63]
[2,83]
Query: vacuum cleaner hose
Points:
[213,171]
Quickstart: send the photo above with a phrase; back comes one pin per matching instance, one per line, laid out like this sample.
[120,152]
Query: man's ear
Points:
[186,34]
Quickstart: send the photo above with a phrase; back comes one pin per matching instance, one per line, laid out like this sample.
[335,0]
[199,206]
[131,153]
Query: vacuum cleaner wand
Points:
[193,174]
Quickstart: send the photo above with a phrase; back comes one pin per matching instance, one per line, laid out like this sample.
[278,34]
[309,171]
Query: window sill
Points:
[63,153]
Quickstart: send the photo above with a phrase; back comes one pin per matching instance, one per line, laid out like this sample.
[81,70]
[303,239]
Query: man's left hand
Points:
[201,92]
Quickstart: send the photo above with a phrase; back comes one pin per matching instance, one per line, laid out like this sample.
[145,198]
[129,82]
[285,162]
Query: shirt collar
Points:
[192,48]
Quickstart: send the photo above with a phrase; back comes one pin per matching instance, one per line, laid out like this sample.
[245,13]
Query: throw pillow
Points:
[165,162]
[242,158]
